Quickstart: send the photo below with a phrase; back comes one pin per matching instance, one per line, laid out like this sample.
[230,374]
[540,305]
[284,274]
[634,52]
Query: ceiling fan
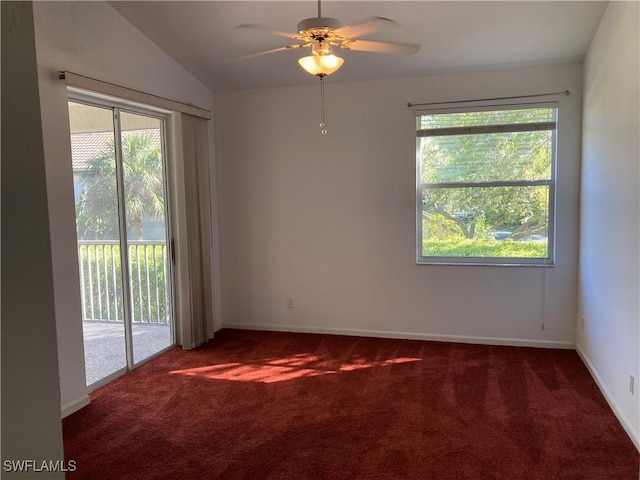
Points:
[321,34]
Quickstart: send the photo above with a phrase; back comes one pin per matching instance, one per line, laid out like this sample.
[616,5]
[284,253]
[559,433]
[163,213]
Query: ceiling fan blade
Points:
[382,47]
[364,27]
[265,29]
[273,50]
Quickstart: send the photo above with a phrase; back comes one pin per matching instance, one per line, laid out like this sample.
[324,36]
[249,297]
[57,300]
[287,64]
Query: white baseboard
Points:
[633,434]
[76,405]
[512,342]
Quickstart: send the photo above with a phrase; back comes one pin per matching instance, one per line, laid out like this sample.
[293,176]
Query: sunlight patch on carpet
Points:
[270,370]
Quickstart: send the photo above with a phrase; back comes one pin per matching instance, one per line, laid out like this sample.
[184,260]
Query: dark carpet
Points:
[261,405]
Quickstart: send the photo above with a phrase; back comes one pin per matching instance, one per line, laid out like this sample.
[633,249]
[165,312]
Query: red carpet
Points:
[258,405]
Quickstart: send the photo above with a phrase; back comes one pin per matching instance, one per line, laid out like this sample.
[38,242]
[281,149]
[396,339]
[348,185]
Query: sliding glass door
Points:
[119,183]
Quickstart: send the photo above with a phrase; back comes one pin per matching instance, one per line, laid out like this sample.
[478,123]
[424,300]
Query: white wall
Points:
[92,39]
[31,426]
[330,220]
[610,209]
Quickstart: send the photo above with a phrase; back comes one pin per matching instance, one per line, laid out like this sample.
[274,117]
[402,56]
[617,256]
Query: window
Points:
[485,186]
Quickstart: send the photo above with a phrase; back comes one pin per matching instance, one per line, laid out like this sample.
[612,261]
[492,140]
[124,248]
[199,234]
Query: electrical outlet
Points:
[632,381]
[289,302]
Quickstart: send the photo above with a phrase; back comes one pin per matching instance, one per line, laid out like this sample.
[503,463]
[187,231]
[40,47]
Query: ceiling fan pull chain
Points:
[323,124]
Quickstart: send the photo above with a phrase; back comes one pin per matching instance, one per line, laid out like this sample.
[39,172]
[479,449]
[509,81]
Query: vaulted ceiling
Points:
[203,36]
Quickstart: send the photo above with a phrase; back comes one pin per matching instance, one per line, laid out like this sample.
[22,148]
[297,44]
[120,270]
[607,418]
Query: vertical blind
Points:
[200,326]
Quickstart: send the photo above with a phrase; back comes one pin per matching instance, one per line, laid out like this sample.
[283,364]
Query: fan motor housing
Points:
[317,23]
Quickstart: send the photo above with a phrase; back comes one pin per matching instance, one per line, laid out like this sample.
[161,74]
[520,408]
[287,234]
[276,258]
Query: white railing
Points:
[101,281]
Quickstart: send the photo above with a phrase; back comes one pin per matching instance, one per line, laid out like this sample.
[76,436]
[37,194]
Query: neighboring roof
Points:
[88,145]
[85,146]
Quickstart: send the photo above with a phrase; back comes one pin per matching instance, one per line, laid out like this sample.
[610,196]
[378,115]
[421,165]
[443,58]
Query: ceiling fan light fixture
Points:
[321,33]
[321,64]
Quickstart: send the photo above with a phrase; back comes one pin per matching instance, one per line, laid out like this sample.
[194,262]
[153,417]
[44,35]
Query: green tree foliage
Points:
[97,207]
[478,212]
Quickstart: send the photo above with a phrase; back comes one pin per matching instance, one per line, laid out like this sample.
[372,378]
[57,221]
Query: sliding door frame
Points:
[118,106]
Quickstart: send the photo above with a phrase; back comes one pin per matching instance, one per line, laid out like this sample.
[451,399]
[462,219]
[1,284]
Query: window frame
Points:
[547,261]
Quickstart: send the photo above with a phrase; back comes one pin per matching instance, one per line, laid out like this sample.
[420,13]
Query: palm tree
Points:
[97,209]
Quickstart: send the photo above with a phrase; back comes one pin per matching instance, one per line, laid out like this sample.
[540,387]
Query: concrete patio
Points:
[104,346]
